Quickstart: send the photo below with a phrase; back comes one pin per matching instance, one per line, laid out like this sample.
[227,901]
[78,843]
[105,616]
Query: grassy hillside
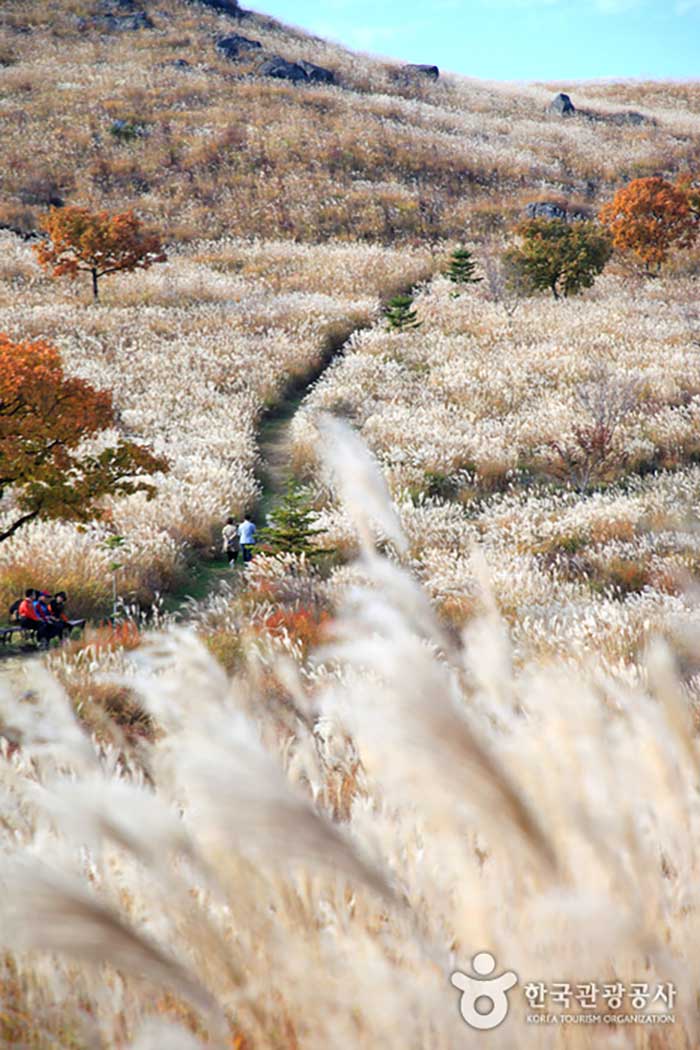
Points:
[216,150]
[472,726]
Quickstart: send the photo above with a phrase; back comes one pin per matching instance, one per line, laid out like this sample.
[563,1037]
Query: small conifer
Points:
[400,315]
[291,526]
[462,268]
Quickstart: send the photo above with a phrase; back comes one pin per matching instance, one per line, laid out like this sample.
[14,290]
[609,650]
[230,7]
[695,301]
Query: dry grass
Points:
[377,158]
[452,775]
[241,321]
[230,837]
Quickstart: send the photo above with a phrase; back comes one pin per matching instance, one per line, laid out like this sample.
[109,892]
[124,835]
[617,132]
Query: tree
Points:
[649,217]
[45,420]
[553,253]
[98,243]
[462,268]
[291,529]
[400,315]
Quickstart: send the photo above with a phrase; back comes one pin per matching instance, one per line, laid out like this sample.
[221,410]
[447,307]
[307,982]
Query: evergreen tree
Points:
[291,526]
[462,268]
[400,315]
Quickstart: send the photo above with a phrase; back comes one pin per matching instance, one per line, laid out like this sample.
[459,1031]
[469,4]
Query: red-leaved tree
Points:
[46,417]
[649,217]
[96,243]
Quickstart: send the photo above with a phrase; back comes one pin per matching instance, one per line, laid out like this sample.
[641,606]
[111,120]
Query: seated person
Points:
[32,616]
[57,607]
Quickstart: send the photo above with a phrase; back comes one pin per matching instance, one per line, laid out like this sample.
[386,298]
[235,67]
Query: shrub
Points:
[560,256]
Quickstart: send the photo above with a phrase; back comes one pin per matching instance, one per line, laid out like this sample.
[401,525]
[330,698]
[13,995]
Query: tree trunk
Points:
[94,286]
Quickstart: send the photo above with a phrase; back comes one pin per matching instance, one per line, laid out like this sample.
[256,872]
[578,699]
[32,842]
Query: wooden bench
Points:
[7,633]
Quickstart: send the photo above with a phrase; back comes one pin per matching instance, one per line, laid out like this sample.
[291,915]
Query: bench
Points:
[7,633]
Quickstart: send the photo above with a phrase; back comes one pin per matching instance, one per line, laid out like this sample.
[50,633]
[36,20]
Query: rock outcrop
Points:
[562,106]
[298,72]
[281,69]
[555,210]
[227,7]
[117,16]
[232,46]
[544,210]
[317,74]
[431,72]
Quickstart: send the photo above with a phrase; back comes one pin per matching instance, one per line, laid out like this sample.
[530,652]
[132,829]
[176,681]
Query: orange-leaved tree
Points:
[648,217]
[97,243]
[48,466]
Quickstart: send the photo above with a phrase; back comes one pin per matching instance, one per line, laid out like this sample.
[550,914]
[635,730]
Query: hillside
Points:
[282,816]
[384,155]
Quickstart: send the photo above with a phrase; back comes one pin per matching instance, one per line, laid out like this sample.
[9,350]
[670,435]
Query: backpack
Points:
[14,609]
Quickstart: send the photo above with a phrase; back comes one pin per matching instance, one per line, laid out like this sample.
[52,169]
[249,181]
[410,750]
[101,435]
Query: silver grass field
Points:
[287,814]
[203,896]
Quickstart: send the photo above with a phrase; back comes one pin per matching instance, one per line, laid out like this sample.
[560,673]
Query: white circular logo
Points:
[492,990]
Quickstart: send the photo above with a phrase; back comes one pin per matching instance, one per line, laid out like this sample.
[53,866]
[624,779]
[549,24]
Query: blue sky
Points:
[559,40]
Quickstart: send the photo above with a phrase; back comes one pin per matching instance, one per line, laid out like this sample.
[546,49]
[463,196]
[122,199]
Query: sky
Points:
[554,40]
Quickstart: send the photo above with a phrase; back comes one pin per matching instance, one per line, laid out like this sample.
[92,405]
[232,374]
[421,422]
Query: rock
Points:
[279,67]
[431,72]
[121,23]
[179,63]
[562,106]
[127,130]
[631,117]
[111,7]
[626,118]
[553,210]
[26,235]
[231,46]
[317,74]
[544,210]
[227,7]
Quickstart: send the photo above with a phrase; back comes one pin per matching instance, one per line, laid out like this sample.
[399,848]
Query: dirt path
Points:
[273,473]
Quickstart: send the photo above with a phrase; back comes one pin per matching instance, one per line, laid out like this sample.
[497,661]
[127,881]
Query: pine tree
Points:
[291,526]
[400,315]
[462,268]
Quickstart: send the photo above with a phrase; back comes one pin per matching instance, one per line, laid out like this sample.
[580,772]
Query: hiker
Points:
[230,545]
[246,536]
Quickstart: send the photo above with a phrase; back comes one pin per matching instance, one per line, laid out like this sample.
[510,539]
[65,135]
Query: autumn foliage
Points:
[98,243]
[306,627]
[45,419]
[649,217]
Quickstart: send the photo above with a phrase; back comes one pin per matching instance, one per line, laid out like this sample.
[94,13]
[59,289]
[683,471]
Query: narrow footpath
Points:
[273,473]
